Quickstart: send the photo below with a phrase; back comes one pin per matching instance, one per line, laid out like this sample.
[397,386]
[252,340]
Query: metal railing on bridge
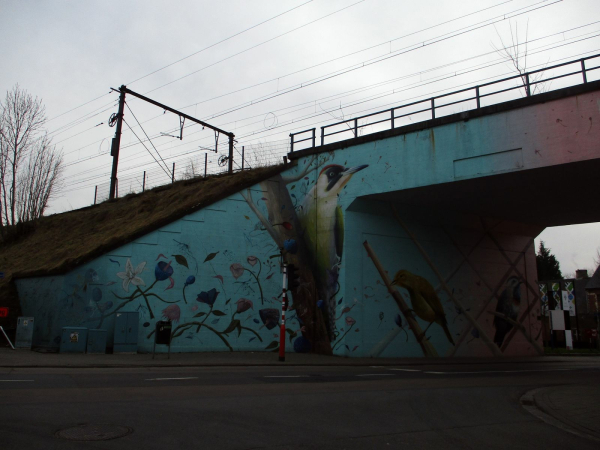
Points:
[528,83]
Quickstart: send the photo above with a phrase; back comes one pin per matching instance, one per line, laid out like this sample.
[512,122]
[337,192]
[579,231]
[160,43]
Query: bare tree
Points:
[515,54]
[30,166]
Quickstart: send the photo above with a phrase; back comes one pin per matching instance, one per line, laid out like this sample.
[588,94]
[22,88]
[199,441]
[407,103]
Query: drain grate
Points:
[93,432]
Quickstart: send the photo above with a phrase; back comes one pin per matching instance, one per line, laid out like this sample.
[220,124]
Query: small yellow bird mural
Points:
[425,302]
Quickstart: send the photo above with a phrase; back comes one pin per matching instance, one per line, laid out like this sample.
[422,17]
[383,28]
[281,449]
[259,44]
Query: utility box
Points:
[24,337]
[96,342]
[73,340]
[126,332]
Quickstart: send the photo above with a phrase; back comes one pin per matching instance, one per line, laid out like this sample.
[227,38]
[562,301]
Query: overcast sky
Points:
[263,69]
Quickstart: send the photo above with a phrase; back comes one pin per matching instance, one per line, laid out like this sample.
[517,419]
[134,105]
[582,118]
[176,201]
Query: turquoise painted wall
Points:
[212,273]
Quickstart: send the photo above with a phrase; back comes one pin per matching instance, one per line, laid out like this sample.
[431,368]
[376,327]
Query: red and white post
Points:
[283,310]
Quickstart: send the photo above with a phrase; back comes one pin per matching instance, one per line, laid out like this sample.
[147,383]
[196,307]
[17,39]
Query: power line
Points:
[168,174]
[220,42]
[255,46]
[149,140]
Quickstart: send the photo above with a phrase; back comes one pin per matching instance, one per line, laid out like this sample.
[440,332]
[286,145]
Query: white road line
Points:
[16,380]
[164,379]
[286,376]
[376,375]
[406,370]
[500,371]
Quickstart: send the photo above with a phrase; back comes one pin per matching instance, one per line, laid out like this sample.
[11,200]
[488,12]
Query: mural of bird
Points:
[322,223]
[509,304]
[425,302]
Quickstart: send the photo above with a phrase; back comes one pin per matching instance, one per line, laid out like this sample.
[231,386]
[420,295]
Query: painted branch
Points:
[519,327]
[484,337]
[508,338]
[382,345]
[426,346]
[274,235]
[483,280]
[512,332]
[468,327]
[302,174]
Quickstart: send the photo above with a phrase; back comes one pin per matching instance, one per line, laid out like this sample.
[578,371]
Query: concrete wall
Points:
[213,272]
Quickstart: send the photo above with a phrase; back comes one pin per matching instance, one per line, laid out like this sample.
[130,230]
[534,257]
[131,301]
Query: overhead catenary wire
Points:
[401,37]
[166,171]
[149,140]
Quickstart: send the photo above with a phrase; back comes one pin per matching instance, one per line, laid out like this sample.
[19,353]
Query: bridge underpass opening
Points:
[472,242]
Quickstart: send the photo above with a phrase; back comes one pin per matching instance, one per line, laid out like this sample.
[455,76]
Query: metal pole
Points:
[291,142]
[392,115]
[477,96]
[95,194]
[583,71]
[313,137]
[242,157]
[230,159]
[283,310]
[173,174]
[433,108]
[144,182]
[527,86]
[355,128]
[322,135]
[205,163]
[116,144]
[4,333]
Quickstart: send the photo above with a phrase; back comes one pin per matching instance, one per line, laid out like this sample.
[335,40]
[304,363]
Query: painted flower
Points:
[163,270]
[131,275]
[172,313]
[91,276]
[243,304]
[208,297]
[350,321]
[252,260]
[269,317]
[189,280]
[290,246]
[237,270]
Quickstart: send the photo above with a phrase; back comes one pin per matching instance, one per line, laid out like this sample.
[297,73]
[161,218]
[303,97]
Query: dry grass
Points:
[59,243]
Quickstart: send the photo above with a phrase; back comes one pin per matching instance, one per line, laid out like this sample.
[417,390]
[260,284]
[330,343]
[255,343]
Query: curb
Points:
[529,403]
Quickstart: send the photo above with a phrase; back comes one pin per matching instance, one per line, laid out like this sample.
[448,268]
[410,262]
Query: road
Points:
[302,407]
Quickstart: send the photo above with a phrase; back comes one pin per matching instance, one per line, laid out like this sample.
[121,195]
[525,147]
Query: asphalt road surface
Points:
[431,407]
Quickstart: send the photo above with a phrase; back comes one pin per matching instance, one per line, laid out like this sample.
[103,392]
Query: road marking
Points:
[500,371]
[165,379]
[407,370]
[376,375]
[17,380]
[286,376]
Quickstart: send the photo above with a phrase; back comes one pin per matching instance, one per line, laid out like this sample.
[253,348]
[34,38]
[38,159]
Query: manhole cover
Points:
[93,432]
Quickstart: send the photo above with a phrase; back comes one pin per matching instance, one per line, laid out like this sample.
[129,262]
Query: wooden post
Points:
[144,182]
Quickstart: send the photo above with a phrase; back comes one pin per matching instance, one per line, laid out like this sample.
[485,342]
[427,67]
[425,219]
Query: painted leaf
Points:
[252,338]
[293,187]
[273,344]
[218,313]
[228,300]
[219,277]
[269,276]
[146,324]
[340,301]
[181,260]
[247,218]
[210,256]
[200,314]
[215,321]
[232,326]
[346,345]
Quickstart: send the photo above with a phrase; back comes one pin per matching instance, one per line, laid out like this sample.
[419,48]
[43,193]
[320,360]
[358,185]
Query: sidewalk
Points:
[26,358]
[574,408]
